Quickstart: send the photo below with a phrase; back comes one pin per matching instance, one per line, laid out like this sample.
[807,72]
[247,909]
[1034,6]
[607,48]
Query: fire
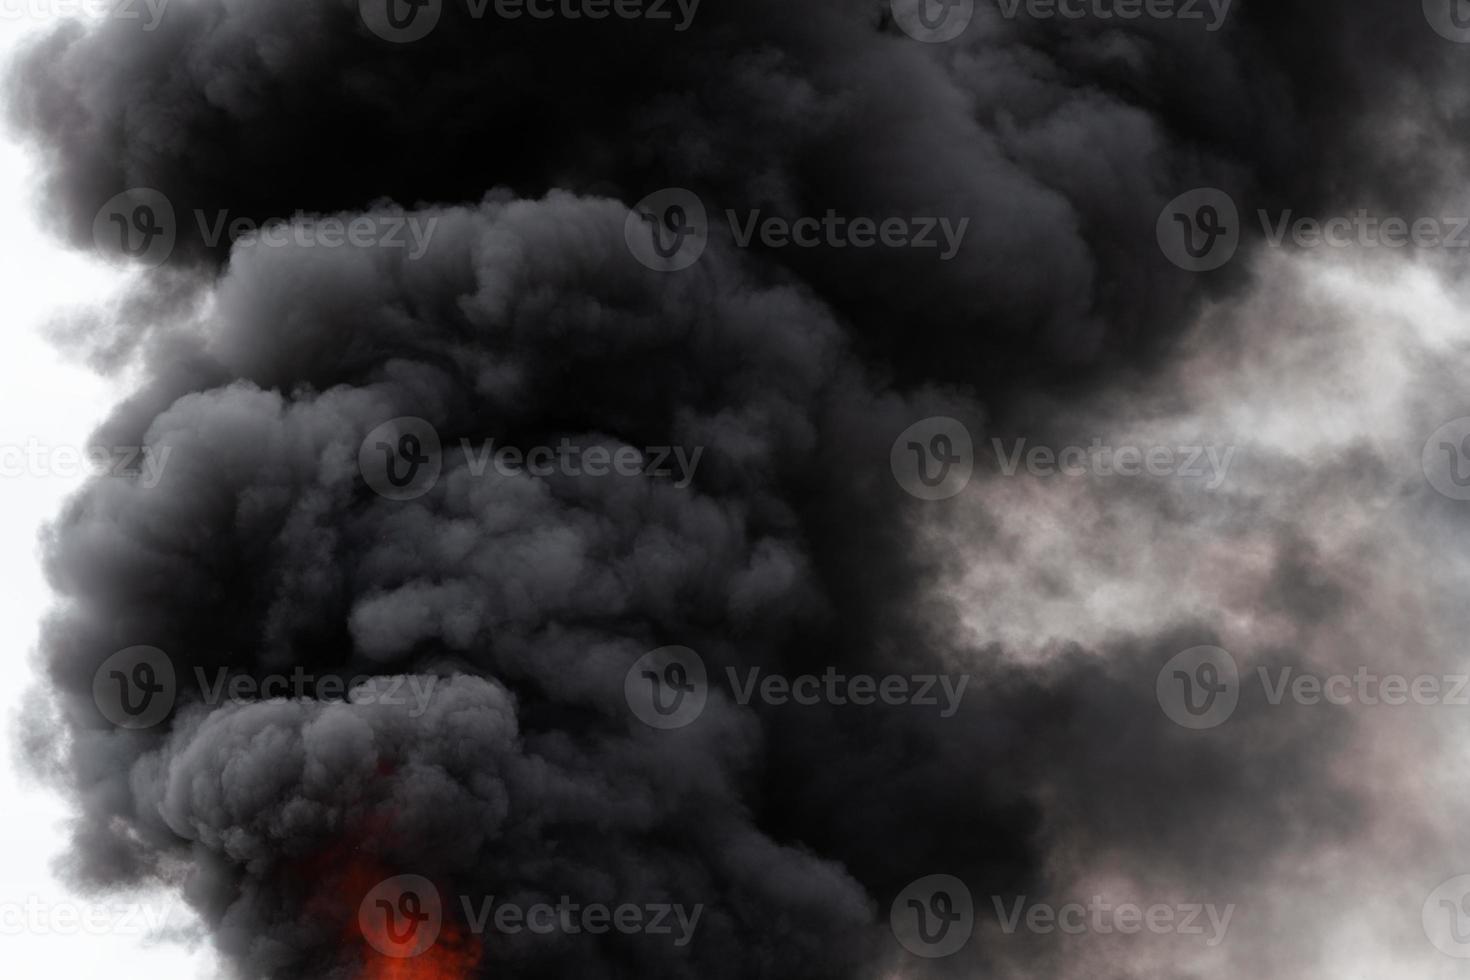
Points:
[406,932]
[453,956]
[396,926]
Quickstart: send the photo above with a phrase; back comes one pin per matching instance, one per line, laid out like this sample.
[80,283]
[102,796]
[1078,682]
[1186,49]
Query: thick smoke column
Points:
[519,603]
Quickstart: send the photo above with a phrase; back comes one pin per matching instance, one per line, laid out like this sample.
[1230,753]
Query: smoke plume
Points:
[511,610]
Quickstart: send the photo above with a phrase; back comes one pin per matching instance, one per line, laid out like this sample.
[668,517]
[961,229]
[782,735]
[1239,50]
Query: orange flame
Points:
[344,875]
[452,957]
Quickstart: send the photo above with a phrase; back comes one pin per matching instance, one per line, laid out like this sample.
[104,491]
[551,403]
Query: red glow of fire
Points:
[343,876]
[452,957]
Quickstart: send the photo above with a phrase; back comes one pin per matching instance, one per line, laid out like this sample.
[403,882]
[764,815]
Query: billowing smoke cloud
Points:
[511,609]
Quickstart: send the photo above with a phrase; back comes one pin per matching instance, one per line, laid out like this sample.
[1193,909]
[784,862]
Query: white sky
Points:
[46,401]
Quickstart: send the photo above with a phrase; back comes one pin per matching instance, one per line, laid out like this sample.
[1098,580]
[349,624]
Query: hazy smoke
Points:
[520,602]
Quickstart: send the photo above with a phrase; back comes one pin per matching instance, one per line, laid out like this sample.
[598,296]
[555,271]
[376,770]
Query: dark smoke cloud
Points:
[527,600]
[1060,140]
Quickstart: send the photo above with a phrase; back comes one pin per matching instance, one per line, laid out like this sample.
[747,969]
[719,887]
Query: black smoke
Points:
[528,321]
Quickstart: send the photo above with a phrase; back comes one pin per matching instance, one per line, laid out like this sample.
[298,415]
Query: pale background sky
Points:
[45,399]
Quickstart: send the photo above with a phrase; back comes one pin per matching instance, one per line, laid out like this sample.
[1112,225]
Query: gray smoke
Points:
[519,603]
